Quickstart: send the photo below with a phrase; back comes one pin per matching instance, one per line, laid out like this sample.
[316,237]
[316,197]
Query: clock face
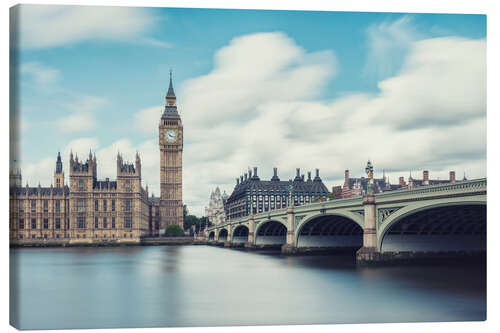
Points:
[171,135]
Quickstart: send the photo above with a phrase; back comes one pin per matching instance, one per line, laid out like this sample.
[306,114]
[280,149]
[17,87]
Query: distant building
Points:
[357,186]
[215,212]
[254,195]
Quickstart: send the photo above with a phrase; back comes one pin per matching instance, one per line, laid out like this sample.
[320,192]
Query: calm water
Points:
[208,286]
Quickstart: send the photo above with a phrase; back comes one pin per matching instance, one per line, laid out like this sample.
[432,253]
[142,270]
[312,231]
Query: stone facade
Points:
[88,210]
[215,212]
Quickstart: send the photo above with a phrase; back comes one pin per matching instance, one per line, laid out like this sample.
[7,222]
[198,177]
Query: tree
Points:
[173,230]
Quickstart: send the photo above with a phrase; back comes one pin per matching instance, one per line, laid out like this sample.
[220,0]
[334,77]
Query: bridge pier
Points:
[251,233]
[368,252]
[289,247]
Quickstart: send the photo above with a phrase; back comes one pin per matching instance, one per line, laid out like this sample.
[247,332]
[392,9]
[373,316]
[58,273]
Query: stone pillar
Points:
[289,246]
[227,243]
[369,250]
[251,232]
[216,235]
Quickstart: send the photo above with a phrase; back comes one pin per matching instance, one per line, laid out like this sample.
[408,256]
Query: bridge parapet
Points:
[423,192]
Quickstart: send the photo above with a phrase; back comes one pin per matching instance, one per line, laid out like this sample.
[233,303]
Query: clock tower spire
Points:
[171,145]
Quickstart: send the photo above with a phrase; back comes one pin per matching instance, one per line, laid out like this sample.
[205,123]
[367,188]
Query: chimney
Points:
[426,177]
[298,172]
[241,179]
[237,181]
[246,176]
[402,181]
[452,176]
[302,177]
[255,171]
[317,173]
[308,175]
[275,175]
[346,176]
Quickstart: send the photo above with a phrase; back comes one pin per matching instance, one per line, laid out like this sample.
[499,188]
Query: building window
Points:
[58,182]
[80,185]
[21,236]
[58,223]
[104,205]
[33,206]
[112,205]
[128,186]
[81,205]
[21,205]
[58,206]
[128,222]
[33,236]
[96,223]
[127,205]
[57,236]
[81,222]
[21,224]
[96,205]
[104,223]
[45,236]
[45,223]
[45,206]
[112,223]
[33,223]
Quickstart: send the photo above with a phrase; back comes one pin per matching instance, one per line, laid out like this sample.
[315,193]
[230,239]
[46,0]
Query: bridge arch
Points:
[270,232]
[240,234]
[211,235]
[330,230]
[458,225]
[222,235]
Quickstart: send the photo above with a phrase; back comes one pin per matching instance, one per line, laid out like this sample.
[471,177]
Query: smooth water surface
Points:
[210,286]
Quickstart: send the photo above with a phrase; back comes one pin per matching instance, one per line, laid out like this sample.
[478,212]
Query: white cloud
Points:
[78,122]
[388,43]
[55,25]
[40,74]
[260,115]
[146,120]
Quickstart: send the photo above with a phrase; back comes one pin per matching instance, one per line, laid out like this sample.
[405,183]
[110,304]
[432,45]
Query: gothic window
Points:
[104,223]
[45,206]
[21,205]
[45,223]
[112,205]
[33,223]
[128,222]
[81,222]
[128,186]
[112,223]
[21,224]
[58,223]
[80,185]
[96,223]
[127,205]
[58,182]
[81,205]
[58,206]
[96,205]
[104,205]
[33,236]
[33,206]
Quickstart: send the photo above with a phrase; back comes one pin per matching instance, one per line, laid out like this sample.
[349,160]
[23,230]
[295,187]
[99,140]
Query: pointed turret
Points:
[170,92]
[170,102]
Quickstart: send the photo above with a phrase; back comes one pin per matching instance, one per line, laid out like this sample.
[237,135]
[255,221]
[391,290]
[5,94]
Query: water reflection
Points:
[206,286]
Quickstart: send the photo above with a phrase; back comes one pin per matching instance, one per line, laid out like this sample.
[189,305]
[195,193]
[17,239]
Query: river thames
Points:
[165,286]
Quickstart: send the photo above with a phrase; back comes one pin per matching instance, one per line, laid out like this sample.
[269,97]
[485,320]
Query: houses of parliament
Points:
[88,210]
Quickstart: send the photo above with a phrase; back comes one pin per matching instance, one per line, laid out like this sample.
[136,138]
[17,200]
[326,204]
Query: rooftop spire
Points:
[58,163]
[170,92]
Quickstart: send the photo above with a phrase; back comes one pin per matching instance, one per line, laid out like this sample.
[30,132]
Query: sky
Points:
[285,89]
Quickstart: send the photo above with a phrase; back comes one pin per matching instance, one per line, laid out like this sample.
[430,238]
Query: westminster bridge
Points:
[431,219]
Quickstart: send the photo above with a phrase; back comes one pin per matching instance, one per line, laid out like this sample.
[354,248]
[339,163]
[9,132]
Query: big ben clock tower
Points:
[171,139]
